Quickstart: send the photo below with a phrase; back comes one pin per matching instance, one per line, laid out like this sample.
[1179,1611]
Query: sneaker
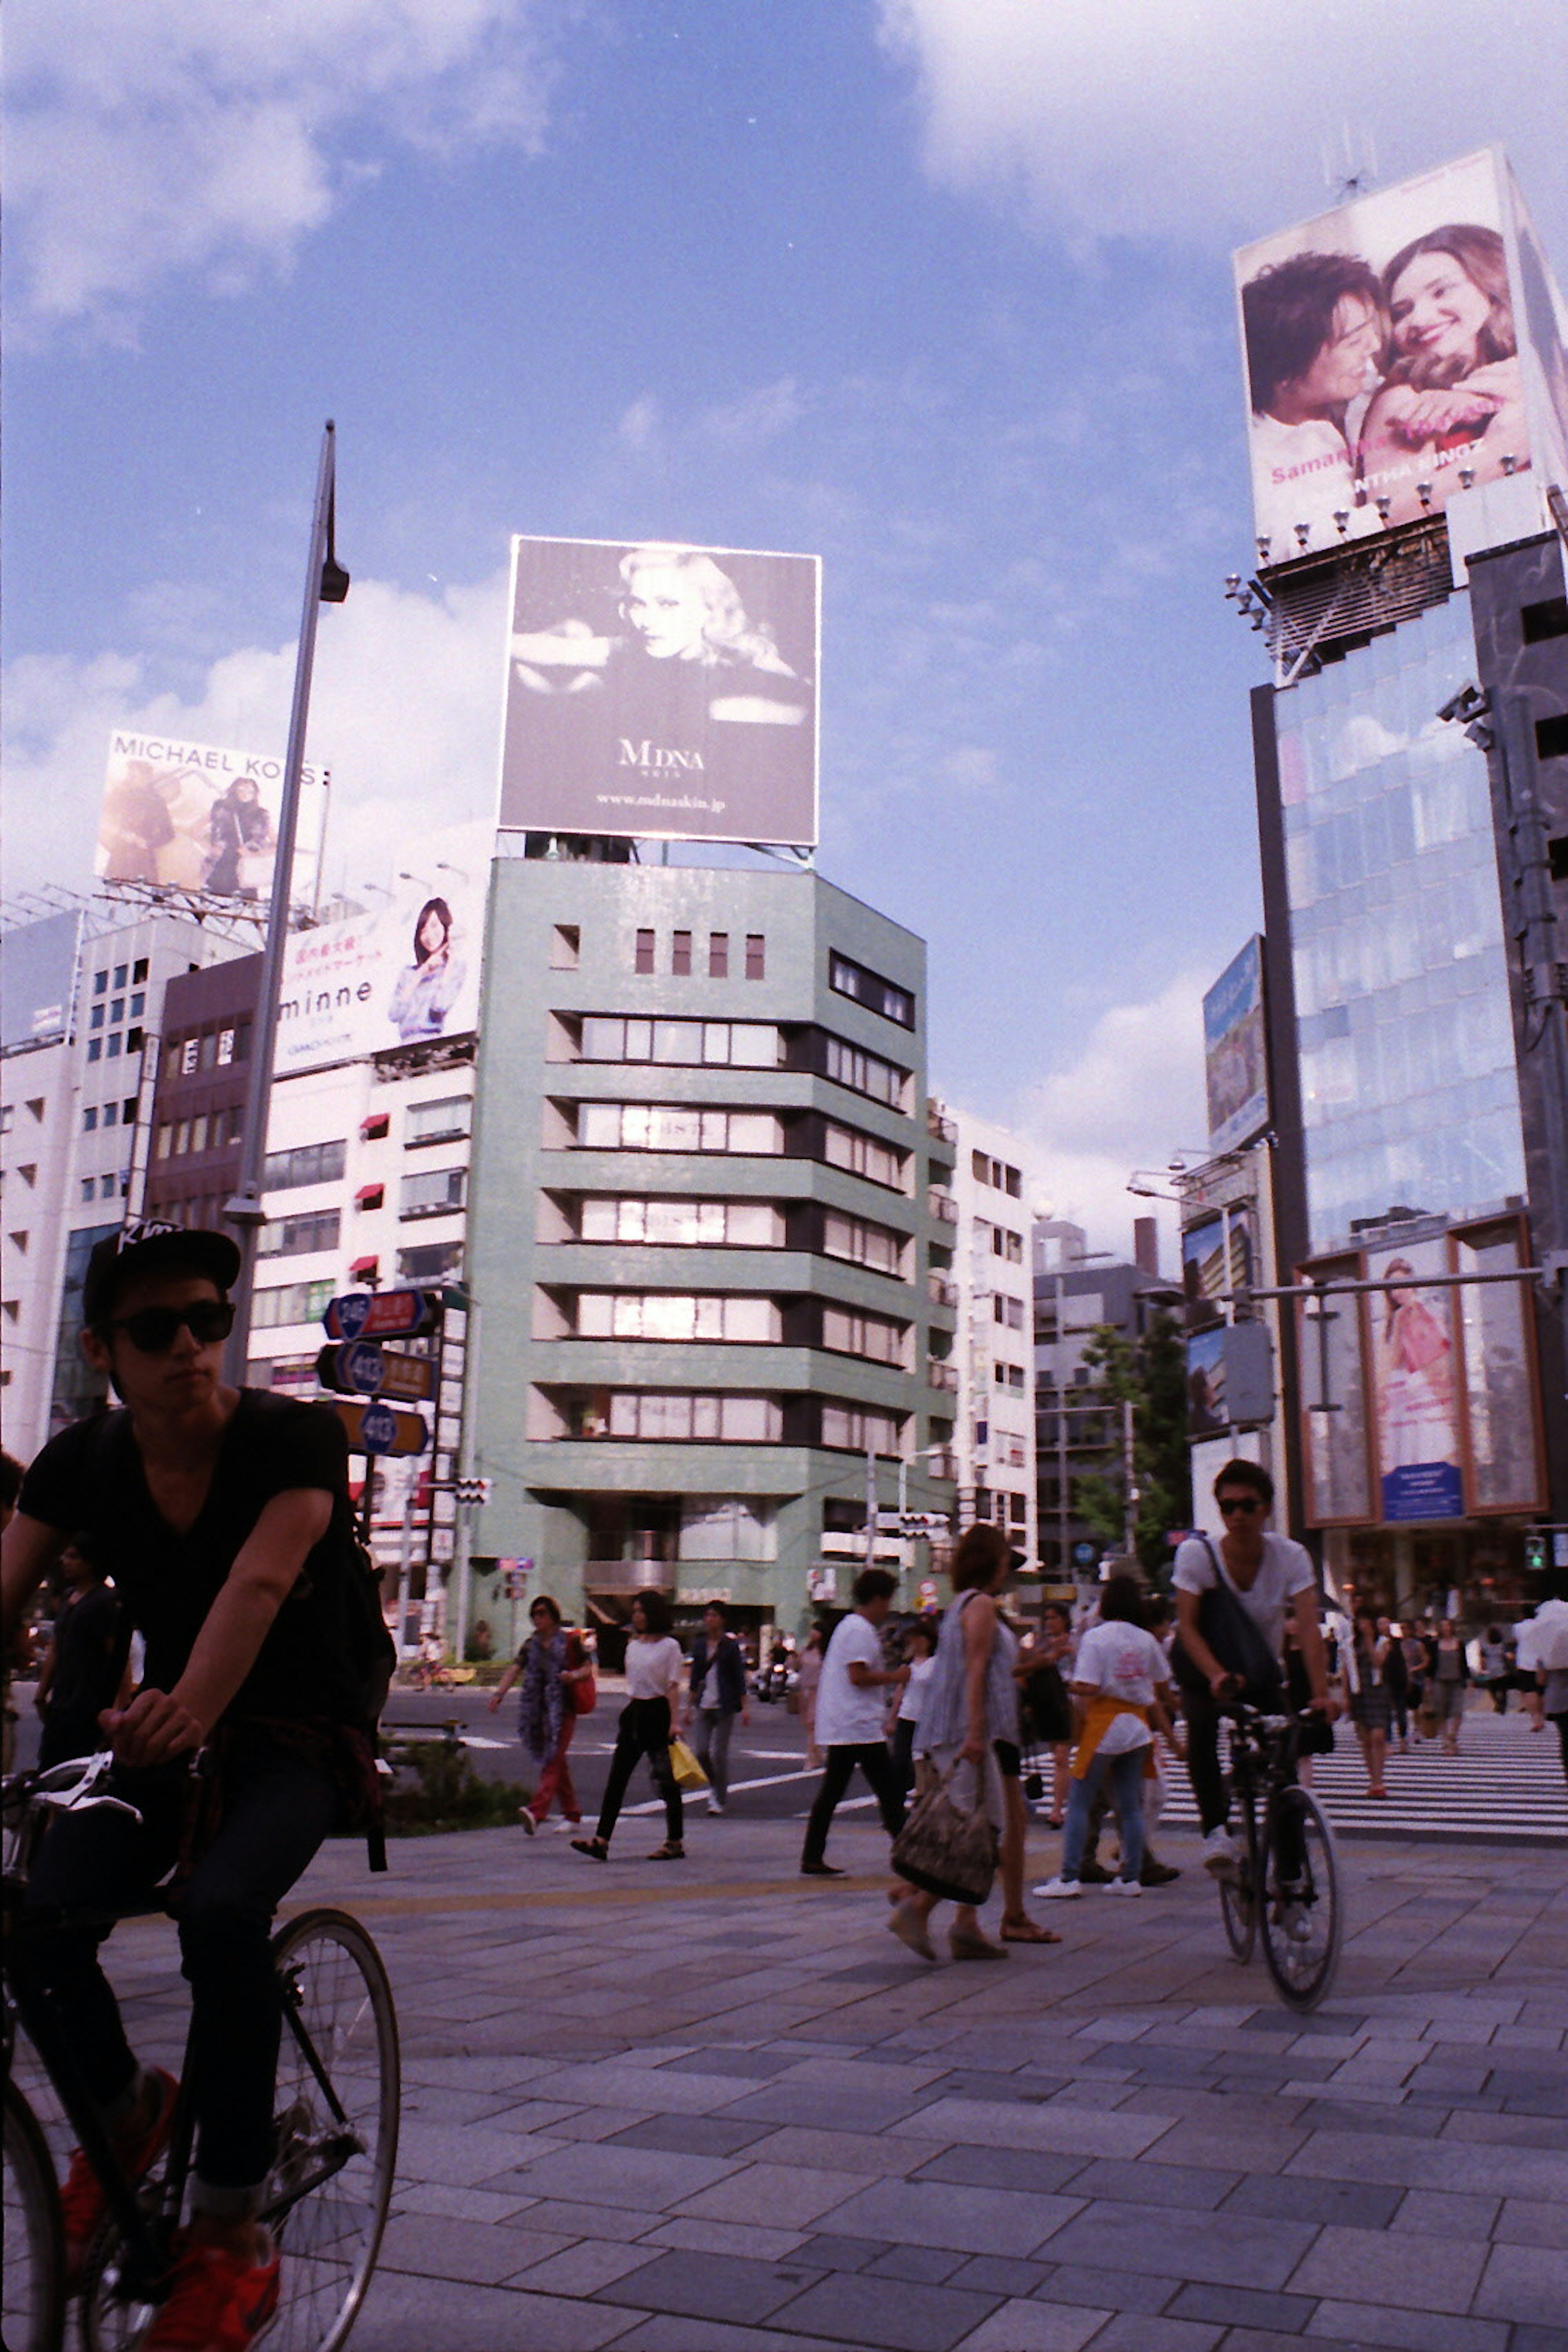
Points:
[1094,1874]
[1218,1853]
[1124,1886]
[1157,1874]
[564,1828]
[1059,1890]
[1293,1919]
[217,2303]
[714,1806]
[82,2201]
[530,1826]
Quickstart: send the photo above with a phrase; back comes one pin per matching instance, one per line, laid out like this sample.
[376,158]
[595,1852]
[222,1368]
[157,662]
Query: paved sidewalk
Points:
[713,2107]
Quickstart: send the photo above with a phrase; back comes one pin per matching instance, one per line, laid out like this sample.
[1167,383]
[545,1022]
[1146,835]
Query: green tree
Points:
[1151,1375]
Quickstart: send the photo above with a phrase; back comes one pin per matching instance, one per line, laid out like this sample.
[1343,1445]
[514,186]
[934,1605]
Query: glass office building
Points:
[1409,1088]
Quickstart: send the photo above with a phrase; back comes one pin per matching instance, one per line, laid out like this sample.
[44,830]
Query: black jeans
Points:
[642,1729]
[277,1810]
[877,1766]
[1208,1783]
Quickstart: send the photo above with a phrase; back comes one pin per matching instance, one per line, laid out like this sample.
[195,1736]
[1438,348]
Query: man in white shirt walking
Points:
[849,1717]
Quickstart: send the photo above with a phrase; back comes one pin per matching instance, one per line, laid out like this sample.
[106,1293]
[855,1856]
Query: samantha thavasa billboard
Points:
[661,692]
[1393,346]
[190,816]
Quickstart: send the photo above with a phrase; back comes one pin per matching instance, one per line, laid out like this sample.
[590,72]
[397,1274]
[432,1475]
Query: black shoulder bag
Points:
[1232,1633]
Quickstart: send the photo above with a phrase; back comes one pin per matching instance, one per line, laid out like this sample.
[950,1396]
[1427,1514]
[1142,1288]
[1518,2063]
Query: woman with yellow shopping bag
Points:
[656,1671]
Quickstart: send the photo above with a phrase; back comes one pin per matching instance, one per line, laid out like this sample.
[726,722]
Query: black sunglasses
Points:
[152,1330]
[1244,1503]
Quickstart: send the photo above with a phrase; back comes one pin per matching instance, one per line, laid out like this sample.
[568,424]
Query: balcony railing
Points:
[942,1291]
[944,1129]
[941,1375]
[943,1205]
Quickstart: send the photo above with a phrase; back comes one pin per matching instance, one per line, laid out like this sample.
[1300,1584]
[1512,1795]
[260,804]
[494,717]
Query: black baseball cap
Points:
[148,1247]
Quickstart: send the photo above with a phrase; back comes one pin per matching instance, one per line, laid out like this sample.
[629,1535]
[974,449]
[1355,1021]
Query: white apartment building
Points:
[998,1190]
[76,1109]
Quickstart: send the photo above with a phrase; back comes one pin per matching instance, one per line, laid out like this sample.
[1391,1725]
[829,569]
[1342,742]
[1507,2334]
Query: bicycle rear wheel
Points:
[1301,1914]
[337,2110]
[32,2289]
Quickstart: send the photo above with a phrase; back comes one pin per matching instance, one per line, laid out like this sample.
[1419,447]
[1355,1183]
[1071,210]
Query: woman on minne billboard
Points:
[427,989]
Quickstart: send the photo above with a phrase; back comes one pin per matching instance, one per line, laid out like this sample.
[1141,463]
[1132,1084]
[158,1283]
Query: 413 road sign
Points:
[375,1428]
[365,1368]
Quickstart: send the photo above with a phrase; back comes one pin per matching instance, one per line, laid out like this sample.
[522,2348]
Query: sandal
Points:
[1027,1931]
[597,1849]
[670,1850]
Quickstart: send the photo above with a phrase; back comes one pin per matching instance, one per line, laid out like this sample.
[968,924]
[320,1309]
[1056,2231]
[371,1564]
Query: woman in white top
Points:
[656,1671]
[920,1656]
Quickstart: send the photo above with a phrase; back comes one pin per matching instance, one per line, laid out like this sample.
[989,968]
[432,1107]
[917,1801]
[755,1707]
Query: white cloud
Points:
[205,135]
[1194,118]
[1133,1093]
[405,712]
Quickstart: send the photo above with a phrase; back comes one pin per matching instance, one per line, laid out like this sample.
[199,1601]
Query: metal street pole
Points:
[325,582]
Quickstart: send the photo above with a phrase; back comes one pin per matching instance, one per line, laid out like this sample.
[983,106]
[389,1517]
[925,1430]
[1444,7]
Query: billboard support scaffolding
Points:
[325,582]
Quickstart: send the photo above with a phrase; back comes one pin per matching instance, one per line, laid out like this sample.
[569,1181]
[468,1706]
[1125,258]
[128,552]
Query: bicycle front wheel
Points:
[32,2291]
[1300,1911]
[337,2111]
[1239,1912]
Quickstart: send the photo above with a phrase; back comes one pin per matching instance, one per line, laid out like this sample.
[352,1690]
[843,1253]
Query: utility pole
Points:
[326,583]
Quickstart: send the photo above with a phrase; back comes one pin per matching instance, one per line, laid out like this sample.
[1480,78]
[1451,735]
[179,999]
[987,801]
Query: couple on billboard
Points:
[1370,385]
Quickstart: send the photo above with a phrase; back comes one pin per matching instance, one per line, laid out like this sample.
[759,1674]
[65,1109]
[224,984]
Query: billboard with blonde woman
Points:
[1398,350]
[658,691]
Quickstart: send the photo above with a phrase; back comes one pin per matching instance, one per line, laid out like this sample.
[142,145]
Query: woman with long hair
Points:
[1453,396]
[427,989]
[1371,1710]
[656,1674]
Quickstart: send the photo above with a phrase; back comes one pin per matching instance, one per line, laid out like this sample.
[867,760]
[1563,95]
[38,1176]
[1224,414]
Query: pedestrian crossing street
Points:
[1505,1784]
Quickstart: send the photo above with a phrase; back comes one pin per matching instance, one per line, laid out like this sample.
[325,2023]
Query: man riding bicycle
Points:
[1260,1581]
[223,1517]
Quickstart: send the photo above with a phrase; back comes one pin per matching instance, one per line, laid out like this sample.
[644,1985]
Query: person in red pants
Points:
[554,1669]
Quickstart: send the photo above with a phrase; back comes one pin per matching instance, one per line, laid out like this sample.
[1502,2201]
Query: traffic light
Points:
[1537,1555]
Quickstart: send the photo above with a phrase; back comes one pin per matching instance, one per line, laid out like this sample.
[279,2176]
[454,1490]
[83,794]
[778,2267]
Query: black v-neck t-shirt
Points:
[91,1477]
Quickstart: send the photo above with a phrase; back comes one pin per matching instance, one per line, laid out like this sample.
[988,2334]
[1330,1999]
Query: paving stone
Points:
[689,2135]
[1283,2197]
[887,2315]
[1473,2169]
[1389,2266]
[775,2194]
[933,2263]
[1153,2184]
[971,2220]
[1403,2331]
[1240,2306]
[433,2246]
[1525,2222]
[705,2336]
[1525,2283]
[641,2177]
[1445,2212]
[716,2238]
[1066,2131]
[1035,2327]
[1000,2168]
[1083,2283]
[826,2252]
[1225,2250]
[1527,2338]
[1002,2274]
[894,2155]
[682,2282]
[482,2319]
[1137,2332]
[578,2270]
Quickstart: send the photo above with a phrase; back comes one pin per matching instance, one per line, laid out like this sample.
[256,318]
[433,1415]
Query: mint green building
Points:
[711,1240]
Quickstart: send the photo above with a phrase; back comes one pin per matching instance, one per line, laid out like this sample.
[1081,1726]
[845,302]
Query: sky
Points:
[938,289]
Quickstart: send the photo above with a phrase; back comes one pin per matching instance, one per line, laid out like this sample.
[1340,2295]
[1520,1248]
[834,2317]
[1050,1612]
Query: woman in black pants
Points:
[656,1671]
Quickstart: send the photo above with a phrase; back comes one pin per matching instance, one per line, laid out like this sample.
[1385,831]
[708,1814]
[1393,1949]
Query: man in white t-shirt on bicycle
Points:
[1273,1579]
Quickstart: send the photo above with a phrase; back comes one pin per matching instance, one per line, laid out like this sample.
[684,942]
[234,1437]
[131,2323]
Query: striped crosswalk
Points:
[1505,1784]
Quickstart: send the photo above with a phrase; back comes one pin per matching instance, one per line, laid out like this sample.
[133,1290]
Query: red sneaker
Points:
[218,2303]
[83,2204]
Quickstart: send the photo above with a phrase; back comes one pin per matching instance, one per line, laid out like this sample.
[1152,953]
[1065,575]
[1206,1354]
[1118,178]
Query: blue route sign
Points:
[346,1316]
[362,1364]
[378,1429]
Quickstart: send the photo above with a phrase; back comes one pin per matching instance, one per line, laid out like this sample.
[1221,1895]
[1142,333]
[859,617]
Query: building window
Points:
[862,1155]
[718,955]
[128,1110]
[90,1118]
[691,1044]
[224,1048]
[94,1049]
[865,1074]
[680,955]
[756,956]
[95,1018]
[375,1128]
[139,1005]
[190,1056]
[673,1126]
[101,983]
[1008,1245]
[295,1302]
[121,973]
[862,1243]
[565,947]
[870,989]
[861,1431]
[431,1261]
[307,1163]
[666,1315]
[138,970]
[642,960]
[438,1122]
[111,1114]
[667,1415]
[433,1193]
[298,1237]
[88,1188]
[1539,622]
[1009,1311]
[1551,737]
[683,1225]
[873,1336]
